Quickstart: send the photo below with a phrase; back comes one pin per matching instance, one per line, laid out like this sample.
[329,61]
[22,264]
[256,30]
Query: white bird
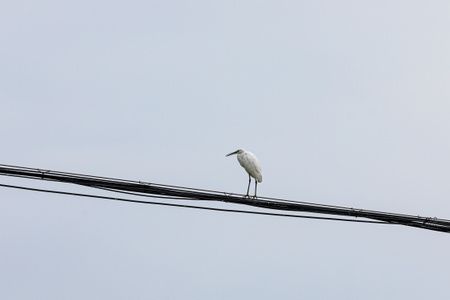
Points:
[251,164]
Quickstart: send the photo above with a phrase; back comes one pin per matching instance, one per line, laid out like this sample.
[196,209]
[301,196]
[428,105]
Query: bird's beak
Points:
[235,152]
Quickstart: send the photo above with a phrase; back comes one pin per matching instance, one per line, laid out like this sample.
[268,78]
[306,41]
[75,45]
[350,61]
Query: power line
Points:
[184,206]
[183,193]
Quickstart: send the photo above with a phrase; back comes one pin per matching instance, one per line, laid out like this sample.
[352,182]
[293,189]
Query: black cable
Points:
[187,206]
[174,192]
[140,194]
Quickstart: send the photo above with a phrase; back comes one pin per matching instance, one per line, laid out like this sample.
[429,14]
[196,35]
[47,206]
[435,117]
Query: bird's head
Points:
[240,151]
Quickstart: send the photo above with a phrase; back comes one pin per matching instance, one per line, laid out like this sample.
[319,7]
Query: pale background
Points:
[344,103]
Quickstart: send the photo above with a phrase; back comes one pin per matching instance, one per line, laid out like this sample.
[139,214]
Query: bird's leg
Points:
[256,185]
[248,188]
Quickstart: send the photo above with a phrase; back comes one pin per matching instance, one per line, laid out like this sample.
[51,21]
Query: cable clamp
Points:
[227,195]
[43,172]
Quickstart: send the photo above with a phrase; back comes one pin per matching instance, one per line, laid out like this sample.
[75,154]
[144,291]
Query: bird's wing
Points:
[251,164]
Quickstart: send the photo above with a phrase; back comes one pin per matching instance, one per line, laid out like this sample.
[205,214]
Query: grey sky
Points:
[344,103]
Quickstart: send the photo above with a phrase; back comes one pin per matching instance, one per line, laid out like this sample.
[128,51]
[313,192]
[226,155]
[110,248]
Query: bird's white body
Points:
[251,164]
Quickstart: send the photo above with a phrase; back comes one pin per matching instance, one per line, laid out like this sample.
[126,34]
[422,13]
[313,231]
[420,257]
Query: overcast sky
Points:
[343,102]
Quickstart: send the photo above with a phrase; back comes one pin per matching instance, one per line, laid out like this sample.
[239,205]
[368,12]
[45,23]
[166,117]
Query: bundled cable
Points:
[184,193]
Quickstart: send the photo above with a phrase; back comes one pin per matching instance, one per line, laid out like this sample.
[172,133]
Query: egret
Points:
[251,164]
